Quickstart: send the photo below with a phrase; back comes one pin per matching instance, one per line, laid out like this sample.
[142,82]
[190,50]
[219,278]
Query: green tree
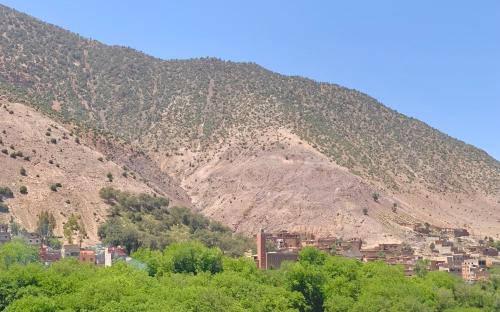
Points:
[74,227]
[422,267]
[311,255]
[16,252]
[192,257]
[45,225]
[309,280]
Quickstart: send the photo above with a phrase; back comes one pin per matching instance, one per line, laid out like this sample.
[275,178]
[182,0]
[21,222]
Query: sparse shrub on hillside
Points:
[110,177]
[6,152]
[47,133]
[23,190]
[3,207]
[124,174]
[54,187]
[27,158]
[51,161]
[77,140]
[365,211]
[100,159]
[394,207]
[375,197]
[22,171]
[53,141]
[5,192]
[16,154]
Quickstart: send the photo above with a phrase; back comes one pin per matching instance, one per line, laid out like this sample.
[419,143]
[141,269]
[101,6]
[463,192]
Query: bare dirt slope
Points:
[280,182]
[76,166]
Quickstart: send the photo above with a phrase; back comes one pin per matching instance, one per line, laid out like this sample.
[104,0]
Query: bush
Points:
[23,190]
[110,177]
[5,192]
[193,257]
[53,188]
[53,141]
[365,211]
[22,171]
[3,207]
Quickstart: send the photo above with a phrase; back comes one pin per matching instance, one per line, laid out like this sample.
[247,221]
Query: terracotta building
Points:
[48,255]
[87,256]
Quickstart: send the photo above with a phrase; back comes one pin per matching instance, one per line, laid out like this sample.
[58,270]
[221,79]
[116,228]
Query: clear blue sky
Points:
[438,61]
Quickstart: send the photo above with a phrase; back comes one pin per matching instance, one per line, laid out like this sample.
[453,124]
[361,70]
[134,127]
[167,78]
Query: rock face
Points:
[247,146]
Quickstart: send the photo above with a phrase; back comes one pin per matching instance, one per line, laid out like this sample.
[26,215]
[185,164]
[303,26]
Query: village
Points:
[450,250]
[97,254]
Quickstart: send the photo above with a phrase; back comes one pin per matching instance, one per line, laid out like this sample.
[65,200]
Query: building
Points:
[285,240]
[70,251]
[112,254]
[460,232]
[455,261]
[4,228]
[4,237]
[490,252]
[48,255]
[274,259]
[343,245]
[87,256]
[261,250]
[32,239]
[327,244]
[4,233]
[474,270]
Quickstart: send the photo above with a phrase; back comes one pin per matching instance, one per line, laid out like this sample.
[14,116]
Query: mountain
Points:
[250,147]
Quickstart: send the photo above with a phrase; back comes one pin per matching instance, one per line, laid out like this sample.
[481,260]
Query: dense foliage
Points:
[191,277]
[143,220]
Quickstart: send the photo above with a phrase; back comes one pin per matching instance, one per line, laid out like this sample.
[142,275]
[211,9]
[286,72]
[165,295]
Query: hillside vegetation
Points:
[143,220]
[197,103]
[249,147]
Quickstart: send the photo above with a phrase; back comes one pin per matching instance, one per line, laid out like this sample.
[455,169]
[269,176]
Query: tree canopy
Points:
[189,276]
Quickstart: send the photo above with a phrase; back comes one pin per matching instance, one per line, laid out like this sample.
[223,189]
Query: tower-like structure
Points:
[261,249]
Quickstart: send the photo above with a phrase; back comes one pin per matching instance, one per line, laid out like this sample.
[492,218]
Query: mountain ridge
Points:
[206,115]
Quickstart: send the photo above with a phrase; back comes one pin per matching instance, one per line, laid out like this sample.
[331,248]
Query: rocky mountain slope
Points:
[251,147]
[37,153]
